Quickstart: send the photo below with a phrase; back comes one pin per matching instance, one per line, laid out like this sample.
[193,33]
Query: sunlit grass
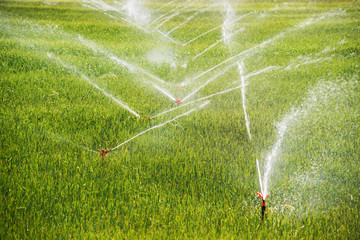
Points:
[195,177]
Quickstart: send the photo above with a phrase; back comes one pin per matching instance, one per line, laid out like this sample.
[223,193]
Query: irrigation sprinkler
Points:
[147,117]
[263,205]
[178,101]
[103,152]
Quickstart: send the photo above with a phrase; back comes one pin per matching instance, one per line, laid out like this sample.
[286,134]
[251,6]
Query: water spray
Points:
[165,14]
[171,16]
[166,36]
[242,73]
[217,42]
[165,5]
[164,92]
[103,7]
[130,66]
[187,20]
[72,68]
[208,81]
[198,100]
[215,28]
[270,40]
[162,124]
[228,25]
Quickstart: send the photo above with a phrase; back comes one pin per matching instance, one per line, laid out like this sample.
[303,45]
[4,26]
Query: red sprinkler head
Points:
[147,117]
[177,86]
[178,101]
[261,196]
[180,44]
[103,152]
[263,205]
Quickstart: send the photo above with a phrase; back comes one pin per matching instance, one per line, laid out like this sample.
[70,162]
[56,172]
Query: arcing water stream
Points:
[73,69]
[318,96]
[165,92]
[188,19]
[241,73]
[250,51]
[215,28]
[183,10]
[227,29]
[162,124]
[283,126]
[219,41]
[208,81]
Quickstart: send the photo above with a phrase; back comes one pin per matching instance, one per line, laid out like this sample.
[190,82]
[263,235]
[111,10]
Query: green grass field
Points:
[67,68]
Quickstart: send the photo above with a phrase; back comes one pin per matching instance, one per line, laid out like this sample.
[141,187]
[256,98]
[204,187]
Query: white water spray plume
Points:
[162,124]
[166,36]
[169,110]
[135,10]
[72,68]
[164,92]
[264,70]
[308,59]
[183,10]
[260,181]
[188,19]
[165,5]
[215,28]
[132,67]
[207,82]
[270,40]
[128,21]
[318,95]
[275,150]
[228,25]
[62,139]
[167,13]
[217,42]
[104,8]
[241,73]
[200,99]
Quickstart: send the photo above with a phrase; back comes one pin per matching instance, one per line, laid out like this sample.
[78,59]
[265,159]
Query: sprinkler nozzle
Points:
[103,152]
[178,101]
[147,117]
[262,196]
[177,85]
[180,44]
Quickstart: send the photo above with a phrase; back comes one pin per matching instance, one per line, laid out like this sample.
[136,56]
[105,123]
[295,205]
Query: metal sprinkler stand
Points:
[103,152]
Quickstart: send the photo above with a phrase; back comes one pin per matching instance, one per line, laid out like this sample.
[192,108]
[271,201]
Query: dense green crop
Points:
[196,176]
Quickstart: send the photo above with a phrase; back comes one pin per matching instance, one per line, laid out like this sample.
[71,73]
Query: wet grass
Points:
[195,177]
